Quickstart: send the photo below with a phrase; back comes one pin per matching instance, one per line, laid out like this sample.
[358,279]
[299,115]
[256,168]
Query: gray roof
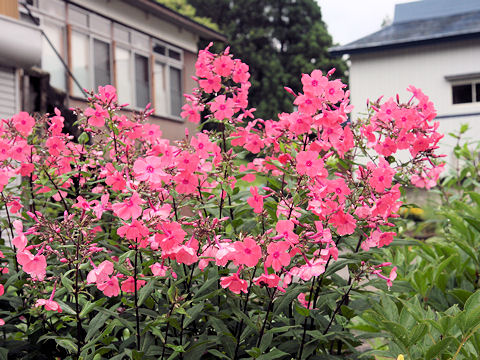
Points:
[416,32]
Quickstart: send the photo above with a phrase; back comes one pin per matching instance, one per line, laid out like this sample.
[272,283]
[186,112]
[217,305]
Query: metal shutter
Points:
[8,92]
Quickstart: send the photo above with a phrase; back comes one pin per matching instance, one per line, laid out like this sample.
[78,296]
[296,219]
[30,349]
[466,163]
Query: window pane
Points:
[142,84]
[124,77]
[175,91]
[477,90]
[80,54]
[462,94]
[160,89]
[50,61]
[101,63]
[174,54]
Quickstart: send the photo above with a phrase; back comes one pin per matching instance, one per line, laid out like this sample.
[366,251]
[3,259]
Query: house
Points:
[51,49]
[431,44]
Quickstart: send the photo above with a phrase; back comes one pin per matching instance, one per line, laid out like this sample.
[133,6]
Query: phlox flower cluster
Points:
[121,190]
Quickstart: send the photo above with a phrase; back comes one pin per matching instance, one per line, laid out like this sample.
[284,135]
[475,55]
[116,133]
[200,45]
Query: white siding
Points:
[390,72]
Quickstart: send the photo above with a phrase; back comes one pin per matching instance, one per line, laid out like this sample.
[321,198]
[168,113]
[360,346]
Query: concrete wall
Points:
[391,71]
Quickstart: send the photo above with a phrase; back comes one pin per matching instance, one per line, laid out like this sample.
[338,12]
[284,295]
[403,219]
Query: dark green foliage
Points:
[279,40]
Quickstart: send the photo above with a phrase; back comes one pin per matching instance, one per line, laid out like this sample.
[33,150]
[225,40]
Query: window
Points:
[101,63]
[465,88]
[123,75]
[462,94]
[91,62]
[50,60]
[167,77]
[142,81]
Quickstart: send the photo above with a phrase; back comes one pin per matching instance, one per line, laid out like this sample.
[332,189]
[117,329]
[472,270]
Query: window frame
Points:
[92,35]
[169,62]
[471,79]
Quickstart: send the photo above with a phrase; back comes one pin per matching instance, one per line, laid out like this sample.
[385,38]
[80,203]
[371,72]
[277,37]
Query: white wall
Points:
[391,71]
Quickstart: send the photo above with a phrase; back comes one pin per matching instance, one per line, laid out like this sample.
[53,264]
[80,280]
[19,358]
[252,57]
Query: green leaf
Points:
[95,324]
[439,347]
[83,138]
[301,310]
[417,333]
[89,306]
[473,301]
[146,291]
[273,354]
[66,344]
[218,354]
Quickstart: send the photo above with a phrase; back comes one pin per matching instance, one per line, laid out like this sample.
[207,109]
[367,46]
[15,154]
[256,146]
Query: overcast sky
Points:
[349,20]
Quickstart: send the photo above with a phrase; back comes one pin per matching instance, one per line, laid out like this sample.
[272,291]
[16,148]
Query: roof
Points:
[404,33]
[167,14]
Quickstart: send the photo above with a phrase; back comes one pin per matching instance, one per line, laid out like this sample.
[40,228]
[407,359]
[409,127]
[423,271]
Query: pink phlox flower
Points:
[101,273]
[382,175]
[50,305]
[107,94]
[101,206]
[159,269]
[247,252]
[225,253]
[240,72]
[222,107]
[307,104]
[256,201]
[202,145]
[110,287]
[315,83]
[285,229]
[170,236]
[344,223]
[129,208]
[136,231]
[55,145]
[212,83]
[149,169]
[334,91]
[96,115]
[187,182]
[185,254]
[20,241]
[187,162]
[303,301]
[128,285]
[23,123]
[309,270]
[115,178]
[81,203]
[56,123]
[339,189]
[392,276]
[386,148]
[223,65]
[20,151]
[309,164]
[234,283]
[278,255]
[151,132]
[253,143]
[34,265]
[270,280]
[191,112]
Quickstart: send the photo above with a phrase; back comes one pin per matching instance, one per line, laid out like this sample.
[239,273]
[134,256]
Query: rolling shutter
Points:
[8,95]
